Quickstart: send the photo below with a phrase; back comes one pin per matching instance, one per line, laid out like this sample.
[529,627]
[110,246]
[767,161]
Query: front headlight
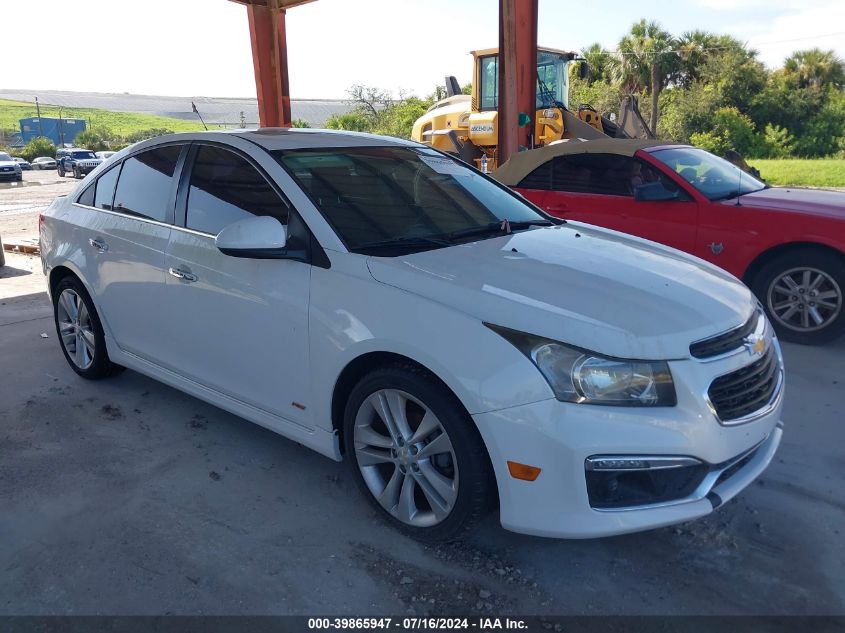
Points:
[578,375]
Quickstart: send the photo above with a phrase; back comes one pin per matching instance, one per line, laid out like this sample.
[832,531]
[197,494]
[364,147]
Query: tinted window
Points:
[146,181]
[603,174]
[226,188]
[105,189]
[87,196]
[540,178]
[401,194]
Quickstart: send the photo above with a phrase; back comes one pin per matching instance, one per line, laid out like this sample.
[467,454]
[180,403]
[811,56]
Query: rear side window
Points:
[87,196]
[145,183]
[603,174]
[540,178]
[226,188]
[105,189]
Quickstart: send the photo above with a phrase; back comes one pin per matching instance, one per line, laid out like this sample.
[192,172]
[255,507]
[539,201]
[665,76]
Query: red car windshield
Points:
[714,177]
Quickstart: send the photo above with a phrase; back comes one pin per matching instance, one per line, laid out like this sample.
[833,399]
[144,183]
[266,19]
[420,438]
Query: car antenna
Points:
[197,112]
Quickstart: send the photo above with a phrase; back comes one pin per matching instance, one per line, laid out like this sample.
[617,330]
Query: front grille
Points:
[725,342]
[745,390]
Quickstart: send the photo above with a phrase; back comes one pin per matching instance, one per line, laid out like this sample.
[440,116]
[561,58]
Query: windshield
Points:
[5,156]
[552,87]
[714,177]
[388,200]
[84,155]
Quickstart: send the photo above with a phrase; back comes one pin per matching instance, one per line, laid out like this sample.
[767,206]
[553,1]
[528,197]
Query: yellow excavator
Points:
[467,125]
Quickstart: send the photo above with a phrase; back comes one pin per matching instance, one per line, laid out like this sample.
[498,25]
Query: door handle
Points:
[182,274]
[99,244]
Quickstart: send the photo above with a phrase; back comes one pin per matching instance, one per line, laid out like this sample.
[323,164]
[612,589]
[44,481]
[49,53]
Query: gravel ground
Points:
[127,497]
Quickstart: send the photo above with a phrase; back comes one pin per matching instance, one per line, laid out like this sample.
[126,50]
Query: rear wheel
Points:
[802,292]
[80,331]
[61,171]
[416,454]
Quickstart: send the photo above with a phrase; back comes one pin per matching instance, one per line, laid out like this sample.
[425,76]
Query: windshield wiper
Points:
[735,193]
[400,242]
[501,227]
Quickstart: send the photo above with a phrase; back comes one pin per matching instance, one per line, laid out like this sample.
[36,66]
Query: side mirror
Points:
[258,237]
[654,192]
[584,70]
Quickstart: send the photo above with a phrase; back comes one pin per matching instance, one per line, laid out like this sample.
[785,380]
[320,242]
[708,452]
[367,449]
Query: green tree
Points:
[646,57]
[352,121]
[600,63]
[143,135]
[815,68]
[299,123]
[39,146]
[95,139]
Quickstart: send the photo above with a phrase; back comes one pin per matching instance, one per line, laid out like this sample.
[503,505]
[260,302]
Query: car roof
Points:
[523,163]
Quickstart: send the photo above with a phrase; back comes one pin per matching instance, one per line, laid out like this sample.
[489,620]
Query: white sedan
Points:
[382,303]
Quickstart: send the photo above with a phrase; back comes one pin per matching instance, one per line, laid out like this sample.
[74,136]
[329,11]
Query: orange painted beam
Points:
[517,74]
[270,63]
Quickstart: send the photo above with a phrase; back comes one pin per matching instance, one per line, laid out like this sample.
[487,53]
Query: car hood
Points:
[589,287]
[814,201]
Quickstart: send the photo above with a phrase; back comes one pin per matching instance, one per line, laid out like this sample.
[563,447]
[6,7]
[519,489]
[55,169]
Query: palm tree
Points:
[694,48]
[646,57]
[599,61]
[815,68]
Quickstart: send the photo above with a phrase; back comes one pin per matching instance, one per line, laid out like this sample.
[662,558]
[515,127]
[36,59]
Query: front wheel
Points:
[80,331]
[61,171]
[76,173]
[802,293]
[416,454]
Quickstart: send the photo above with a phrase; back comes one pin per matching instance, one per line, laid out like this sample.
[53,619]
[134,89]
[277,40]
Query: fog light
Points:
[523,471]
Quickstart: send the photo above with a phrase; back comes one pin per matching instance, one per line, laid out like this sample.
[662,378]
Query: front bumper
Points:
[10,175]
[560,438]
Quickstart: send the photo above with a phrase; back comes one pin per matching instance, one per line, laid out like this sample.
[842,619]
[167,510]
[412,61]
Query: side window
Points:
[489,82]
[105,189]
[146,181]
[226,188]
[540,178]
[602,174]
[645,173]
[87,196]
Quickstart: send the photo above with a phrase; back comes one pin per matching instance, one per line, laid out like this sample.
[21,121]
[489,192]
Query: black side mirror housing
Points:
[654,192]
[584,70]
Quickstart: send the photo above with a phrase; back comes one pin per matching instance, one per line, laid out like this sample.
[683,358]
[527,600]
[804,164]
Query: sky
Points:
[202,47]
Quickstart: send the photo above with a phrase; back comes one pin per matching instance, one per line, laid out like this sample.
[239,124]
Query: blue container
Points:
[60,131]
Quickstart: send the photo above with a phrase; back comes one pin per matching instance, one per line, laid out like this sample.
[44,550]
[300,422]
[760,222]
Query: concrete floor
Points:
[127,497]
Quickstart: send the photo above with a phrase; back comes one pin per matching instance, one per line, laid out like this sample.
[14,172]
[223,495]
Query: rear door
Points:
[238,326]
[129,241]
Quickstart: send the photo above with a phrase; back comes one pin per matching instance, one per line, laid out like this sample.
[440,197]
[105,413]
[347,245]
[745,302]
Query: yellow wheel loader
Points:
[467,125]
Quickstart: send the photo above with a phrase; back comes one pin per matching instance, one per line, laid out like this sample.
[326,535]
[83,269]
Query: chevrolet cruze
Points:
[382,303]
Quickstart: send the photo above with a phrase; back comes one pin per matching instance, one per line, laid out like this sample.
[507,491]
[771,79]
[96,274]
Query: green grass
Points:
[120,123]
[821,172]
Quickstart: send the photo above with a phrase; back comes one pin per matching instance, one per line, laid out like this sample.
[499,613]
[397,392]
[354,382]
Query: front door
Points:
[239,326]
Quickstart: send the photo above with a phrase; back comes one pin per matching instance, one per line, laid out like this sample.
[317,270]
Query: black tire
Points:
[76,173]
[475,480]
[61,171]
[832,265]
[101,366]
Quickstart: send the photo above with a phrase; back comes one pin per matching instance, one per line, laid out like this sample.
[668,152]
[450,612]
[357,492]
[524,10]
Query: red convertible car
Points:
[787,245]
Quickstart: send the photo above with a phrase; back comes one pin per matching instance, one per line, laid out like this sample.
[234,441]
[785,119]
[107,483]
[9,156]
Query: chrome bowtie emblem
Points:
[717,248]
[754,343]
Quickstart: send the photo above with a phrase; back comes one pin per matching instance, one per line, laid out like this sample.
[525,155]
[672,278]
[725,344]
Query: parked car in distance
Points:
[44,162]
[25,165]
[10,170]
[786,244]
[76,161]
[380,302]
[104,155]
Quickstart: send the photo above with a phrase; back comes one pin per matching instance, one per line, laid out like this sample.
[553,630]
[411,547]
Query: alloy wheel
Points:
[804,299]
[75,328]
[406,458]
